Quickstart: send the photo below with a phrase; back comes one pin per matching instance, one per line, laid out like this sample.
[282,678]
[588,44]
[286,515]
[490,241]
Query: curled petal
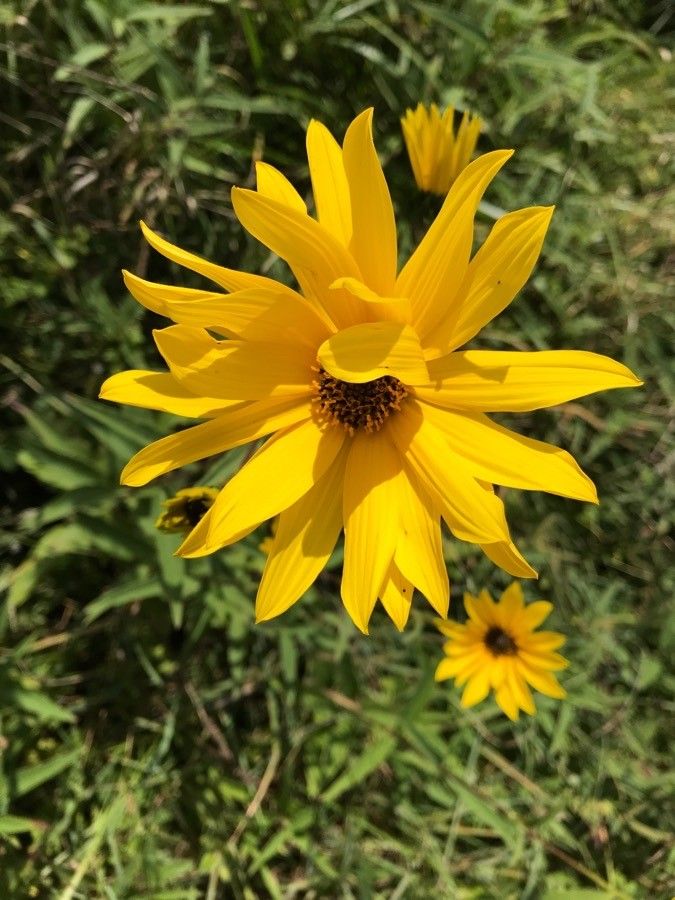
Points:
[230,279]
[365,352]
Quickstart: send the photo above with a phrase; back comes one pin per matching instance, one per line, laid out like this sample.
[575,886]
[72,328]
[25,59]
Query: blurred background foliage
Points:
[153,743]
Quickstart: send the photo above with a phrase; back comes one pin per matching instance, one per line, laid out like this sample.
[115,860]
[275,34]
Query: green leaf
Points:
[28,778]
[36,703]
[123,432]
[130,592]
[22,581]
[76,118]
[174,15]
[20,825]
[474,804]
[577,894]
[81,59]
[360,768]
[63,539]
[57,470]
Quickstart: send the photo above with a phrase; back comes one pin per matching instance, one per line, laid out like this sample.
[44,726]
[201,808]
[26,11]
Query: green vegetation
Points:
[153,742]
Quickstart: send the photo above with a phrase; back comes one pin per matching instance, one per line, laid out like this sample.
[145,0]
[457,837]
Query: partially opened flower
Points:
[377,421]
[497,649]
[437,152]
[185,509]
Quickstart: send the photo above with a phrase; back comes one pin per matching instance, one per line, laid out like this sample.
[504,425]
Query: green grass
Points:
[153,742]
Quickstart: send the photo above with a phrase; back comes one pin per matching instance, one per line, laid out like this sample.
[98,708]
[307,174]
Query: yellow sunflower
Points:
[497,649]
[377,420]
[438,153]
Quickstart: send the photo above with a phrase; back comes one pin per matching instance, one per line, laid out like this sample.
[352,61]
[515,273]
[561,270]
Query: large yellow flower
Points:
[497,648]
[377,420]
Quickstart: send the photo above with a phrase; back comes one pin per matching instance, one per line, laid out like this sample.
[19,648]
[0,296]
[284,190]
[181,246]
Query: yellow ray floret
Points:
[497,649]
[373,419]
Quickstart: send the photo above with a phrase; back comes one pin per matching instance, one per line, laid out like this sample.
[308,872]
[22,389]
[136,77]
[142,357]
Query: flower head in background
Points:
[498,649]
[375,420]
[185,510]
[437,153]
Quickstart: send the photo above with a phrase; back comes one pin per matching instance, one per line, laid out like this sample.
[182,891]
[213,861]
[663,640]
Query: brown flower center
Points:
[357,407]
[499,643]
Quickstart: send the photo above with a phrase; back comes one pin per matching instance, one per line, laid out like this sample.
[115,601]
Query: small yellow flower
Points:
[186,509]
[438,154]
[497,648]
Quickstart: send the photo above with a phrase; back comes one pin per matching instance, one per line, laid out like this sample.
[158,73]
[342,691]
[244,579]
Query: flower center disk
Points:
[499,643]
[358,407]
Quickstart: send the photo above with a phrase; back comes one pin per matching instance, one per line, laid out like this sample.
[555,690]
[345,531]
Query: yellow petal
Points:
[284,469]
[234,427]
[315,256]
[505,381]
[371,522]
[433,275]
[543,641]
[497,272]
[472,513]
[412,125]
[160,390]
[445,669]
[304,539]
[460,668]
[480,610]
[547,660]
[197,537]
[396,309]
[271,183]
[235,370]
[498,672]
[373,242]
[534,614]
[472,666]
[230,279]
[365,352]
[419,551]
[451,629]
[497,455]
[543,682]
[511,604]
[460,649]
[506,555]
[329,182]
[396,596]
[158,297]
[256,315]
[506,701]
[519,690]
[476,689]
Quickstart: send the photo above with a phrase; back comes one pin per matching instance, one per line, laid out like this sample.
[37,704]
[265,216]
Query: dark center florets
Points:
[358,407]
[195,509]
[499,643]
